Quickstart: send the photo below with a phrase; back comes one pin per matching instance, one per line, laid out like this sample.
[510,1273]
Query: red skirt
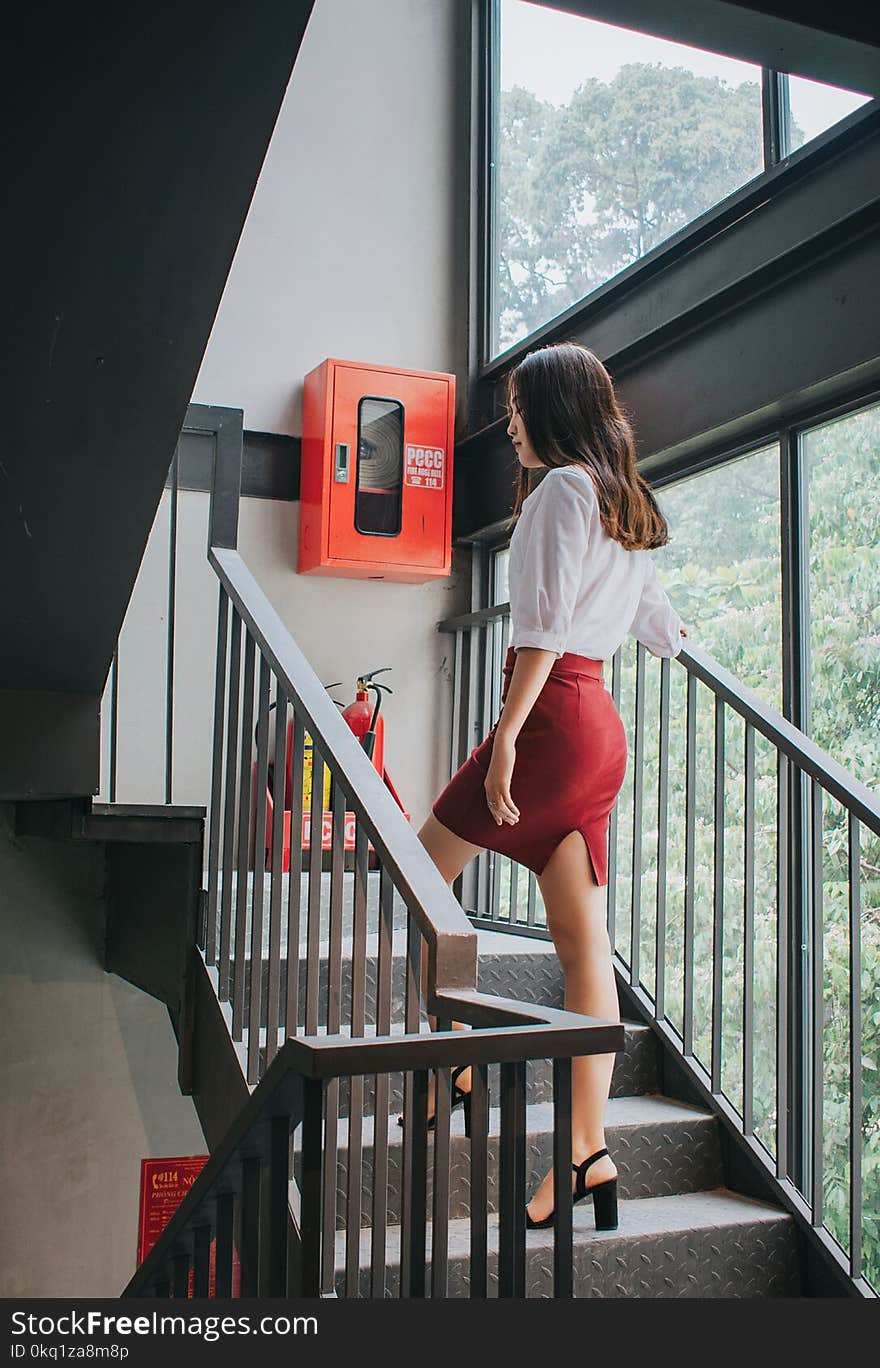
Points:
[570,763]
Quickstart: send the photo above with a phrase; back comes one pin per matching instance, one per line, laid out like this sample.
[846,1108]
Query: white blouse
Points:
[574,588]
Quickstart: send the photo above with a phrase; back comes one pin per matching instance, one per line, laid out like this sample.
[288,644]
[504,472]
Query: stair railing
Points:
[274,951]
[240,1202]
[738,932]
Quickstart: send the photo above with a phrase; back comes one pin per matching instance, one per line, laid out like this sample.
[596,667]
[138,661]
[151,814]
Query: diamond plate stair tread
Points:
[631,1029]
[621,1113]
[720,1214]
[400,914]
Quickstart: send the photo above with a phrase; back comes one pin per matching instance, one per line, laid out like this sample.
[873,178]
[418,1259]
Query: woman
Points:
[540,787]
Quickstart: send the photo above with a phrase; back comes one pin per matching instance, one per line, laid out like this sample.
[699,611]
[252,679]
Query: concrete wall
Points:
[355,246]
[88,1080]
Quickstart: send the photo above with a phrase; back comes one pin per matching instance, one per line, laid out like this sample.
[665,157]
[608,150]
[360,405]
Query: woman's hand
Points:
[498,779]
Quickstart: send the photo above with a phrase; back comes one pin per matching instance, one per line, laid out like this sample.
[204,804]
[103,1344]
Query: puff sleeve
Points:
[656,624]
[551,569]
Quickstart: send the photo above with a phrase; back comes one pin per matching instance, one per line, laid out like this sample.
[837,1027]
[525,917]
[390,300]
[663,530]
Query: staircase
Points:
[682,1232]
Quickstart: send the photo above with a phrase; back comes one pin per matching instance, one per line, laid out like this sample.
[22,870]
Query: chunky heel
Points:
[605,1204]
[604,1198]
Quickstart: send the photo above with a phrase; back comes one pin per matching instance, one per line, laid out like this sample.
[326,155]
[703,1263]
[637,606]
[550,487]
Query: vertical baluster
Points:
[690,862]
[748,1063]
[114,724]
[662,840]
[638,822]
[563,1228]
[455,740]
[244,838]
[384,967]
[616,674]
[511,1182]
[440,1195]
[261,788]
[782,925]
[201,1259]
[161,1287]
[229,812]
[855,1048]
[169,652]
[210,945]
[532,902]
[180,1274]
[485,859]
[818,1016]
[279,775]
[310,1216]
[514,893]
[294,883]
[339,803]
[479,1156]
[356,1084]
[415,1133]
[279,1178]
[316,865]
[223,1252]
[250,1225]
[416,1254]
[470,873]
[718,899]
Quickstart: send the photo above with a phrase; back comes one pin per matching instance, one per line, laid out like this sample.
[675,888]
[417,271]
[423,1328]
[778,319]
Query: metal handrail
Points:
[784,735]
[281,1096]
[805,773]
[452,940]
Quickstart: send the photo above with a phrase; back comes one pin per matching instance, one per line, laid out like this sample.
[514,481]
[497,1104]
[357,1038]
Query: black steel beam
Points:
[132,162]
[834,43]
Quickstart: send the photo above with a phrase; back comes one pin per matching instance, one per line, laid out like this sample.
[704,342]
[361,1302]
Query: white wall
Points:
[353,243]
[354,247]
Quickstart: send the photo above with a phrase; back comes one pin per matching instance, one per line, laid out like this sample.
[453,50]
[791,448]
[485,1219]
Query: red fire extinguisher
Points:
[365,722]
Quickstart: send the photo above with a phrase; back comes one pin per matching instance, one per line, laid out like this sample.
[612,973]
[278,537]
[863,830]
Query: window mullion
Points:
[776,111]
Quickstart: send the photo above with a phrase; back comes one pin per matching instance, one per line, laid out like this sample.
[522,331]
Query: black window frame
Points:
[780,166]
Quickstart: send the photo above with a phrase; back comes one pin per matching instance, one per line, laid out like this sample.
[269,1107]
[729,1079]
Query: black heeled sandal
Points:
[458,1095]
[604,1198]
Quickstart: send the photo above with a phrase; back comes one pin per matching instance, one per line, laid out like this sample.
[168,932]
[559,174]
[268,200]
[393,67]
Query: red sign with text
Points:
[164,1184]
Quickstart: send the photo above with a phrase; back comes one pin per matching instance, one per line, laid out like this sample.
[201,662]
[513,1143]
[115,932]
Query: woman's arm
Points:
[530,670]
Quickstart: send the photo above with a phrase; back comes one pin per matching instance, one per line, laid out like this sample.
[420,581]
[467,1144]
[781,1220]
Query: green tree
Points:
[589,187]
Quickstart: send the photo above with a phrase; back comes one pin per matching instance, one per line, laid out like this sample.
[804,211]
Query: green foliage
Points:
[721,569]
[587,188]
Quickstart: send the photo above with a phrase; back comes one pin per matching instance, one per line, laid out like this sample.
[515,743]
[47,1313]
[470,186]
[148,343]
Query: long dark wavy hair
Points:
[566,400]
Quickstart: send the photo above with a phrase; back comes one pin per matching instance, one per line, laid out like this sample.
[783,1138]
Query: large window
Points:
[842,481]
[722,566]
[609,142]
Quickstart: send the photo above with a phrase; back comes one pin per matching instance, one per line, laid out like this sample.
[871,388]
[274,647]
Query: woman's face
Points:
[516,431]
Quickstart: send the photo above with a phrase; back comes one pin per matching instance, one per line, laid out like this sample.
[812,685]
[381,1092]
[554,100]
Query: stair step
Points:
[661,1147]
[705,1244]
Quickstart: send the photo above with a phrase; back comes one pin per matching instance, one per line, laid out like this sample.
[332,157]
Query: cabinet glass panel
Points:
[378,503]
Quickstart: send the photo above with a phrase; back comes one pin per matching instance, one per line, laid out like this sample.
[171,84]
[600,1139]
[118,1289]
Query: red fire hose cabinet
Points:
[376,473]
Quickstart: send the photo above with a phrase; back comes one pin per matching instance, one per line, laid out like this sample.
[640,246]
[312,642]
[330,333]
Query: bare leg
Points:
[450,854]
[576,920]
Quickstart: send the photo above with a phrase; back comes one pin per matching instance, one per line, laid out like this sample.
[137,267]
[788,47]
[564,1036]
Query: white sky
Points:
[552,53]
